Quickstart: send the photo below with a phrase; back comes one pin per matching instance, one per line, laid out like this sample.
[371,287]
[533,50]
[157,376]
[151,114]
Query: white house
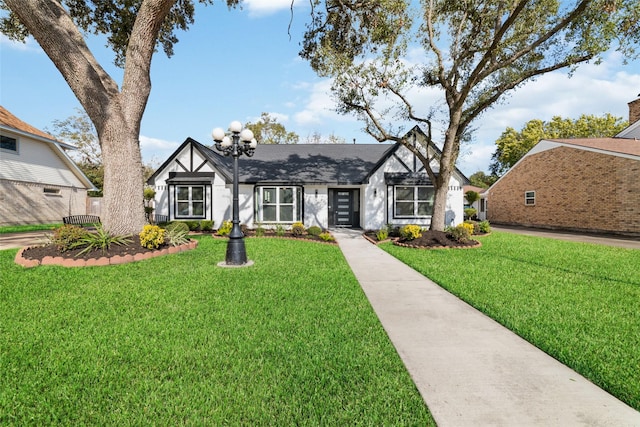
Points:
[328,185]
[39,183]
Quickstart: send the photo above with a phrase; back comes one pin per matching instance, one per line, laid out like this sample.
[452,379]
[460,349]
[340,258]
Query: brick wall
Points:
[574,189]
[634,111]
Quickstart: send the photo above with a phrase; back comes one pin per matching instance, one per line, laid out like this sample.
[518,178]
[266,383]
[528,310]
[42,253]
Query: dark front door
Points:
[344,208]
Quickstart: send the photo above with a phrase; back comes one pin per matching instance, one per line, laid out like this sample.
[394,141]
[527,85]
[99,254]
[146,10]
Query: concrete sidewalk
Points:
[470,370]
[18,240]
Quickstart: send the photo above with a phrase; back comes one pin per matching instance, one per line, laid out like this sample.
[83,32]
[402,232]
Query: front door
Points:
[344,208]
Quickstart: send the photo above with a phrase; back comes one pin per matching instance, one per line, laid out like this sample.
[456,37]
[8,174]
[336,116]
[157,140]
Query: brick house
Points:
[590,184]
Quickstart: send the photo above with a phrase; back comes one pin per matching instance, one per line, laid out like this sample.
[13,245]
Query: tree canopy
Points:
[513,145]
[134,29]
[471,52]
[268,130]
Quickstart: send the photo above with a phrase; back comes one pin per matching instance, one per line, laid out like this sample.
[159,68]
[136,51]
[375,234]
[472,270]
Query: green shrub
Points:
[193,225]
[206,225]
[177,226]
[176,236]
[470,213]
[411,232]
[382,234]
[461,232]
[100,239]
[280,230]
[484,227]
[297,229]
[259,230]
[225,228]
[65,237]
[151,237]
[326,236]
[314,230]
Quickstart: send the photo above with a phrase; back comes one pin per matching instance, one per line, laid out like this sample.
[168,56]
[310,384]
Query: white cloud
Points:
[29,45]
[155,150]
[267,7]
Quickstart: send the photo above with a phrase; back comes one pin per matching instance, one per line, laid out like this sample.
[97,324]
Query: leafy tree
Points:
[513,145]
[134,29]
[475,52]
[482,180]
[267,130]
[471,197]
[317,138]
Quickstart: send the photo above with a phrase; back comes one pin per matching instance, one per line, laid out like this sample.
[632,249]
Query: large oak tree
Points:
[134,28]
[473,52]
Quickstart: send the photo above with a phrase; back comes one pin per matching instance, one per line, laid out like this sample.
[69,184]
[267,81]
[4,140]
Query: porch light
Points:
[231,146]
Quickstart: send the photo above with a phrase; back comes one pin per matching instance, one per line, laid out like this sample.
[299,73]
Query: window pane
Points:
[8,143]
[183,208]
[269,213]
[286,213]
[404,208]
[286,195]
[269,195]
[425,208]
[197,193]
[404,193]
[425,193]
[198,209]
[183,193]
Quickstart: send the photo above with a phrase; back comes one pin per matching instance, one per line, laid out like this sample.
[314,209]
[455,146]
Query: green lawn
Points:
[578,302]
[178,341]
[23,228]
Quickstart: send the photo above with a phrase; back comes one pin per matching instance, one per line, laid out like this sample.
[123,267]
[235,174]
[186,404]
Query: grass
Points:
[577,302]
[29,227]
[178,341]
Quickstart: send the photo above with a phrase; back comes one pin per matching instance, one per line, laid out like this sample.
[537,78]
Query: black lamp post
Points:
[231,146]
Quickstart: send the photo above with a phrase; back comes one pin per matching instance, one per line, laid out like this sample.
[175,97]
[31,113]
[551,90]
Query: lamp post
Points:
[232,146]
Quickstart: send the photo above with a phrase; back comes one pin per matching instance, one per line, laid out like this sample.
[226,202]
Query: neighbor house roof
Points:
[612,145]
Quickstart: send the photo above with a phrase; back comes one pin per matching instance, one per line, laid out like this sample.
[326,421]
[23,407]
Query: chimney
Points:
[634,111]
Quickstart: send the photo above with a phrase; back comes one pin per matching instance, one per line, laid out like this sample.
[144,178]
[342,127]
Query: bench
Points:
[82,220]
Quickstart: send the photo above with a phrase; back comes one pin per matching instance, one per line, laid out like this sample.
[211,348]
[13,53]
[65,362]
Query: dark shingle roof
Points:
[305,163]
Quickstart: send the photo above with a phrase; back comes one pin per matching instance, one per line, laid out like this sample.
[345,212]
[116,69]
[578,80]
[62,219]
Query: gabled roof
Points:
[631,132]
[333,164]
[345,164]
[607,145]
[11,123]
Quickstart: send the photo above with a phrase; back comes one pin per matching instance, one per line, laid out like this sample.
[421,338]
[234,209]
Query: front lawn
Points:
[176,340]
[578,302]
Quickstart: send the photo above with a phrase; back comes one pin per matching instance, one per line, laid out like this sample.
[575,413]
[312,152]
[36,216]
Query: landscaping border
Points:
[92,262]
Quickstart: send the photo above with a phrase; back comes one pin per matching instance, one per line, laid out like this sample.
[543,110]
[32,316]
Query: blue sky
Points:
[234,65]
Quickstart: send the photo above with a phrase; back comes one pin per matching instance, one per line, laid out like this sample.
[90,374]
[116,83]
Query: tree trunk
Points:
[123,200]
[447,166]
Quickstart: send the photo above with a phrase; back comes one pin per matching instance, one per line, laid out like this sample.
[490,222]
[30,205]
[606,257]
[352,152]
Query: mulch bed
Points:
[430,239]
[132,248]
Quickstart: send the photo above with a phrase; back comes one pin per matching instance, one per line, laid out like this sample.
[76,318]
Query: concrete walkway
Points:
[470,370]
[18,240]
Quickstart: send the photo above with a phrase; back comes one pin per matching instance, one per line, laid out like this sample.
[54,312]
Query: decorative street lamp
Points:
[231,146]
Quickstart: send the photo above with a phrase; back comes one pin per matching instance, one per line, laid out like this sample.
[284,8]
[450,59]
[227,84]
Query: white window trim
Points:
[297,213]
[17,150]
[531,198]
[415,201]
[191,201]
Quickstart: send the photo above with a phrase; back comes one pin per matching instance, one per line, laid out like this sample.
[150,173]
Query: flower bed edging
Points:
[93,262]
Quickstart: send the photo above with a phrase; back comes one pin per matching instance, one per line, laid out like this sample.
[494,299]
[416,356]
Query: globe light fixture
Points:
[241,141]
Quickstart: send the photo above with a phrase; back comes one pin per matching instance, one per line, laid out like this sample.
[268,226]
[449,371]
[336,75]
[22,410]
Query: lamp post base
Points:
[236,252]
[225,265]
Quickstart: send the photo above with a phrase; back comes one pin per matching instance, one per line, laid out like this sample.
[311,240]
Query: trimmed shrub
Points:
[411,232]
[66,237]
[297,229]
[206,225]
[314,230]
[326,236]
[470,213]
[259,230]
[225,228]
[280,230]
[151,237]
[461,232]
[193,225]
[484,227]
[382,234]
